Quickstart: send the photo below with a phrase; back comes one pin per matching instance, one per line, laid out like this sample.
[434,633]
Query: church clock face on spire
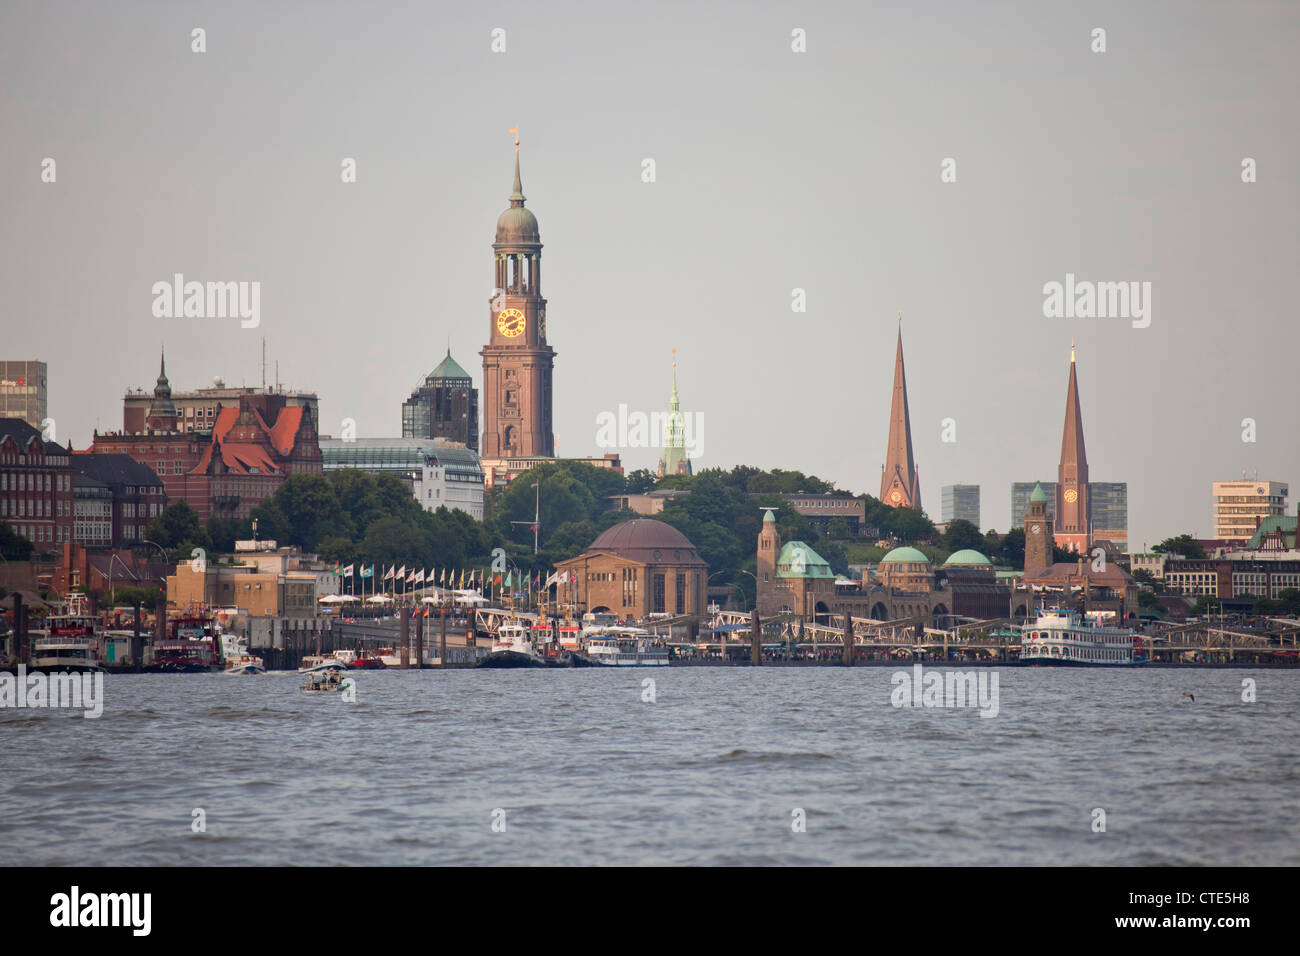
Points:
[511,323]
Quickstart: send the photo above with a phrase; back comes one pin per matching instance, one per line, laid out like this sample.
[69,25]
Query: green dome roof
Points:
[905,556]
[797,560]
[1039,494]
[967,556]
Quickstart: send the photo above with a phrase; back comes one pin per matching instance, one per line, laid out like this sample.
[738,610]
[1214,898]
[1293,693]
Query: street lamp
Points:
[112,588]
[537,510]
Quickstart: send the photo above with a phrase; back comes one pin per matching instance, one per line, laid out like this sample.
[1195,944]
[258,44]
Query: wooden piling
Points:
[20,630]
[419,640]
[849,650]
[404,656]
[137,640]
[755,638]
[442,639]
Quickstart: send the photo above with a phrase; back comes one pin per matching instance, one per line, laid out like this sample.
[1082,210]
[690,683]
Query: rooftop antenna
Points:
[264,363]
[277,375]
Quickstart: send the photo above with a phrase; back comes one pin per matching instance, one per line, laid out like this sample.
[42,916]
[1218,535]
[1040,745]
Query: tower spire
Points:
[674,460]
[1073,525]
[900,485]
[517,195]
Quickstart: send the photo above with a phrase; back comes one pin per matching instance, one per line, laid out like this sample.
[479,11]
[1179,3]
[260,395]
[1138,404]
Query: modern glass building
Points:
[444,405]
[22,392]
[439,473]
[1107,507]
[961,502]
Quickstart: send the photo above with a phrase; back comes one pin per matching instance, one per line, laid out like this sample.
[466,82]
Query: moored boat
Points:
[192,644]
[613,645]
[69,640]
[237,658]
[1060,637]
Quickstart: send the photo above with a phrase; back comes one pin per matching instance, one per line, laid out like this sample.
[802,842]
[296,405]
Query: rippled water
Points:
[709,773]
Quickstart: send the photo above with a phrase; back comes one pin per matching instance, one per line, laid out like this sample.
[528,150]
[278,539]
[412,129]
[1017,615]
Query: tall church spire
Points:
[900,485]
[674,460]
[1072,525]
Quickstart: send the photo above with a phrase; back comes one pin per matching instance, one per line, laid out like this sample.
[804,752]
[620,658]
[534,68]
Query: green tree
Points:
[13,546]
[837,527]
[224,532]
[1183,544]
[640,481]
[961,534]
[178,525]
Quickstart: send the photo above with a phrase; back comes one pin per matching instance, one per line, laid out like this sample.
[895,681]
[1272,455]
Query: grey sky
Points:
[775,170]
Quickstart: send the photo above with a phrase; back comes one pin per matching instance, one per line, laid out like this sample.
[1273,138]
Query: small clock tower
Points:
[517,362]
[1038,533]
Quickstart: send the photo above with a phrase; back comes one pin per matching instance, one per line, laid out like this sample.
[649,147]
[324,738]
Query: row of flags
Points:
[471,578]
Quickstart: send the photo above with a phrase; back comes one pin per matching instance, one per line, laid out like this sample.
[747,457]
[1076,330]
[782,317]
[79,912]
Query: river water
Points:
[577,767]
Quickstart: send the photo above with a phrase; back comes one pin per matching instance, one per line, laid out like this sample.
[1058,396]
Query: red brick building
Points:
[35,485]
[254,443]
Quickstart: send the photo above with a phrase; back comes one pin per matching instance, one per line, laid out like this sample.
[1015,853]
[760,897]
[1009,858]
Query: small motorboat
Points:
[253,666]
[328,681]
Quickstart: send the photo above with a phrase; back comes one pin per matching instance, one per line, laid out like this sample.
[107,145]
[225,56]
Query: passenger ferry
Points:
[1061,638]
[68,641]
[613,645]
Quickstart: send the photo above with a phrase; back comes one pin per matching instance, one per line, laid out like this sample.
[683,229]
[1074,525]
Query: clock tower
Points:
[517,362]
[1038,534]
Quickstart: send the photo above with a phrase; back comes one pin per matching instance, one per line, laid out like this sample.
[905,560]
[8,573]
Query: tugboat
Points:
[1059,637]
[192,644]
[513,646]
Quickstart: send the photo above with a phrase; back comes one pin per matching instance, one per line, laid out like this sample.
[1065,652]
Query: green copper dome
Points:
[967,556]
[517,226]
[905,556]
[1039,494]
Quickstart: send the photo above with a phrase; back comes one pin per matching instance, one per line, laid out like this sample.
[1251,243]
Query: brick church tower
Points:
[900,484]
[1073,524]
[517,362]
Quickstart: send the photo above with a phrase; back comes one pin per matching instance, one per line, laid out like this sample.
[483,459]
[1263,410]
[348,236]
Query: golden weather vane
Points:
[515,130]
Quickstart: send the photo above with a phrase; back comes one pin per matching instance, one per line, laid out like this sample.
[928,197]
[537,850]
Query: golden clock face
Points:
[1071,496]
[896,497]
[511,322]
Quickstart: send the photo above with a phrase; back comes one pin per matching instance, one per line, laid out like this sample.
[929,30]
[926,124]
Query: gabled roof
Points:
[286,429]
[113,469]
[1284,524]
